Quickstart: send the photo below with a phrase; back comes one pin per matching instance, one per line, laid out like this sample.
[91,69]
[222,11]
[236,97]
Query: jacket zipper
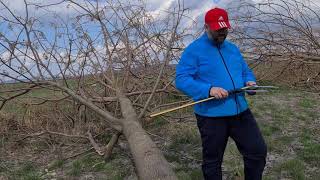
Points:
[234,87]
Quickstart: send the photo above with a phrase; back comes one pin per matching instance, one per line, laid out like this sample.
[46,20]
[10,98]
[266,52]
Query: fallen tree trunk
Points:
[148,159]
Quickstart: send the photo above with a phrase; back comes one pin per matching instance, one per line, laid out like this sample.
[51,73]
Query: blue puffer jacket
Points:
[202,67]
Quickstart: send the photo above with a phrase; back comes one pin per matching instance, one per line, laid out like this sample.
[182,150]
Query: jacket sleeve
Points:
[186,78]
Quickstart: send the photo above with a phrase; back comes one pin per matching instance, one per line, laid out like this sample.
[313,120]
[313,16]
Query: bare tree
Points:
[282,39]
[111,58]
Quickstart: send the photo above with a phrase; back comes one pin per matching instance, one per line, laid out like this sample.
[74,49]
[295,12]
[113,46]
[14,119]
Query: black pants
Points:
[243,129]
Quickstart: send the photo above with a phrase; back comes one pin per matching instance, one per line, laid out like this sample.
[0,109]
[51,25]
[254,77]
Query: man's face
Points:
[217,36]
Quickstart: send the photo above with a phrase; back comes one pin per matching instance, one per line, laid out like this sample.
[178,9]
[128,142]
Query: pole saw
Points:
[248,89]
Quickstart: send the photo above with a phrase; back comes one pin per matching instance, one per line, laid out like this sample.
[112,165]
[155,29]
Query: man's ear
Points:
[206,26]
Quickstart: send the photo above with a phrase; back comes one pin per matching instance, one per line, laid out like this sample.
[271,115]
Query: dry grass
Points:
[287,117]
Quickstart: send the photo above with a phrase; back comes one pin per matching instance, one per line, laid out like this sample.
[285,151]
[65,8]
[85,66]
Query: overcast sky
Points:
[197,8]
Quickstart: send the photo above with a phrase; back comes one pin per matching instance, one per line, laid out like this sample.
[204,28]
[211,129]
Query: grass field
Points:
[289,120]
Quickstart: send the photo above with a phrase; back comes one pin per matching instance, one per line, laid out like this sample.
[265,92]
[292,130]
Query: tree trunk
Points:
[149,162]
[148,159]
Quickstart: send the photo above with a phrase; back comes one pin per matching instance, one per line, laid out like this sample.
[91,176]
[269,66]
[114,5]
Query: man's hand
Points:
[251,83]
[218,92]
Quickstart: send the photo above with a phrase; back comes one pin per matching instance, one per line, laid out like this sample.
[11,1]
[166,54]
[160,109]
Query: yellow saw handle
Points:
[180,107]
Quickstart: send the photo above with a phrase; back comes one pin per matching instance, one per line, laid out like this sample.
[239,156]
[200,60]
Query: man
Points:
[212,66]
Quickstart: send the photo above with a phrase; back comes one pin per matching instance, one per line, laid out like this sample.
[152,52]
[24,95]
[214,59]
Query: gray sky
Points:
[156,7]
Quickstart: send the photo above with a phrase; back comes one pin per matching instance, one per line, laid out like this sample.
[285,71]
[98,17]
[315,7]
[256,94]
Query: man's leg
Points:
[248,138]
[214,136]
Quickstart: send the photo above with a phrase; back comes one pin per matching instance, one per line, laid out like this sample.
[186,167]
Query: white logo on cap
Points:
[220,18]
[222,24]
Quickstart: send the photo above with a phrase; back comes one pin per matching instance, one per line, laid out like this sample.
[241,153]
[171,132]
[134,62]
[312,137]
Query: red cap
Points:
[217,18]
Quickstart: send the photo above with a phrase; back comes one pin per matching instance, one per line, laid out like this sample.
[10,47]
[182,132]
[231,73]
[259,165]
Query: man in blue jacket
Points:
[212,66]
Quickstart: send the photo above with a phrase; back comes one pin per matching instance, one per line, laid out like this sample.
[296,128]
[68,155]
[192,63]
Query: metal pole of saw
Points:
[246,88]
